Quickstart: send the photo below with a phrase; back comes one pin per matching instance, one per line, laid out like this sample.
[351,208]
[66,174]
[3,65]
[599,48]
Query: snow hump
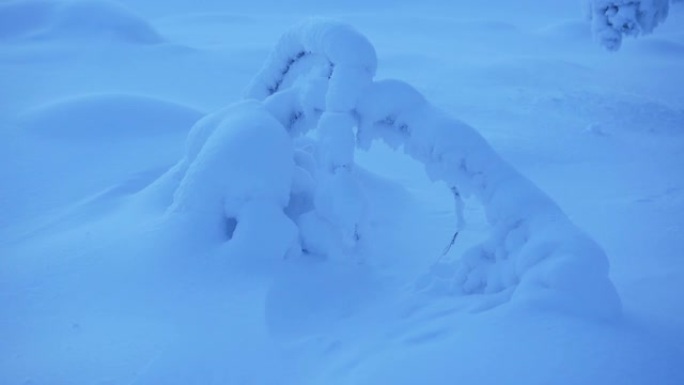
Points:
[110,116]
[74,20]
[251,164]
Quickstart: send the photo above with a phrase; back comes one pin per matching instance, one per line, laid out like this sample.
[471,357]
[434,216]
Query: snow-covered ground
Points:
[101,284]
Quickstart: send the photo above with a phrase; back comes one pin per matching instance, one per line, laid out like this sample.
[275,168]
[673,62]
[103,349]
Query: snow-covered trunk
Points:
[344,61]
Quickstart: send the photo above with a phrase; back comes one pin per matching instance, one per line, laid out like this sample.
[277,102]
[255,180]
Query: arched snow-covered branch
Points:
[328,49]
[533,251]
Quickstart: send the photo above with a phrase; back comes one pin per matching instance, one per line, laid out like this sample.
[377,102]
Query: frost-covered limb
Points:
[339,63]
[613,19]
[318,49]
[532,243]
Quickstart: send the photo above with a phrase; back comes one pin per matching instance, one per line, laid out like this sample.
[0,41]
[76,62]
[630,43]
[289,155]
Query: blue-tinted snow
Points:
[101,283]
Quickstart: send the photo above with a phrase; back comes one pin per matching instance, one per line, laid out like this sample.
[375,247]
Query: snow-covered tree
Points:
[614,19]
[274,176]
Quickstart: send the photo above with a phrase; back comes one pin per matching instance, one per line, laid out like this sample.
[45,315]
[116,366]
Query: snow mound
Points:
[73,19]
[234,183]
[107,116]
[249,177]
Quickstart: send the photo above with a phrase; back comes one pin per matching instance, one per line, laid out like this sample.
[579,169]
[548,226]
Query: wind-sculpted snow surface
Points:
[299,194]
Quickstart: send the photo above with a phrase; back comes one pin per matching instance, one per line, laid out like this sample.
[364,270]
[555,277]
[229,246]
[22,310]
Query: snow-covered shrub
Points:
[613,19]
[279,169]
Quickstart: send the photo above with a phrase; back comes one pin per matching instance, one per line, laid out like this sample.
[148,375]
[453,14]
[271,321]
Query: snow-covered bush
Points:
[613,19]
[275,176]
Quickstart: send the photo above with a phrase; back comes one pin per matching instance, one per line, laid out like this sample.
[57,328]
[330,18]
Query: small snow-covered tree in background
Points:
[614,19]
